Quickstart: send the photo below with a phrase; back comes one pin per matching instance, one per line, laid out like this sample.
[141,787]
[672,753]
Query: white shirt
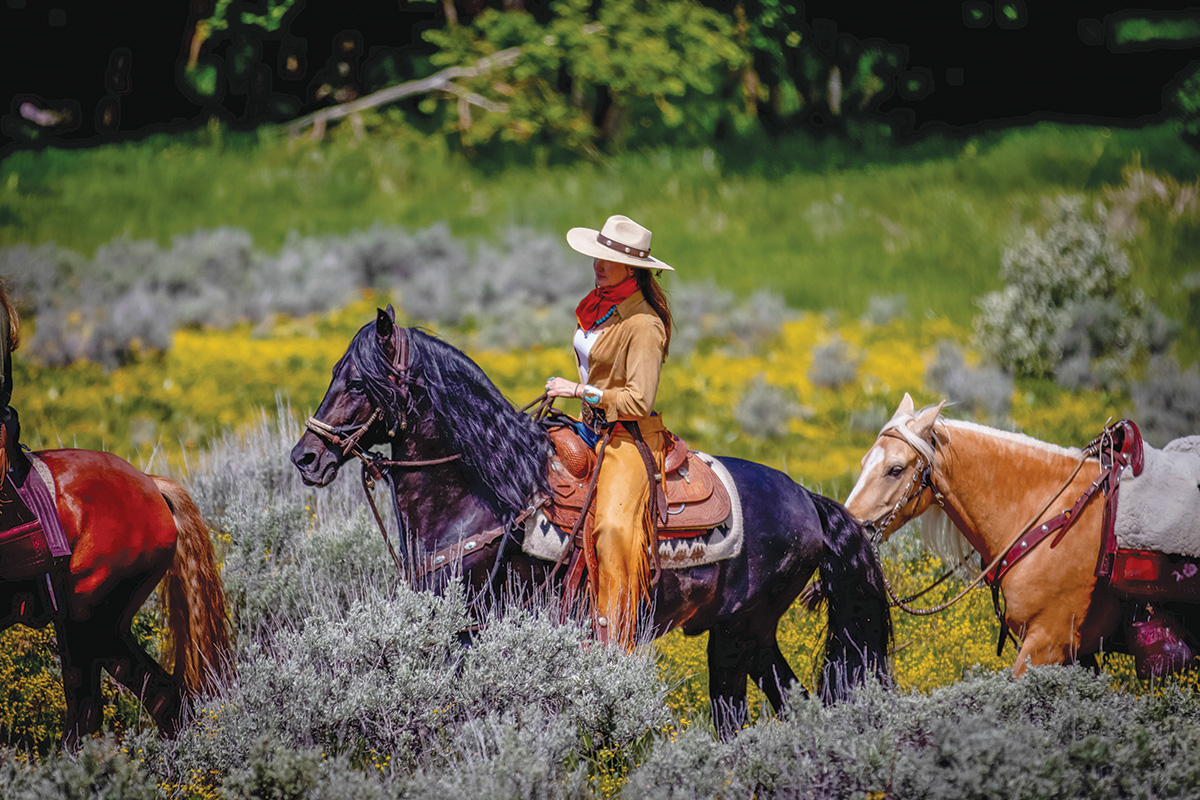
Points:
[583,346]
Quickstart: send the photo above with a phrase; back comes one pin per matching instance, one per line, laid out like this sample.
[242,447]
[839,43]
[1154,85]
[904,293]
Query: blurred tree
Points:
[804,72]
[242,27]
[1185,100]
[602,75]
[596,77]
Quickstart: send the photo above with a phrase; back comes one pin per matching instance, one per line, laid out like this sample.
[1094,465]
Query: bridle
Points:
[347,443]
[920,480]
[347,438]
[916,487]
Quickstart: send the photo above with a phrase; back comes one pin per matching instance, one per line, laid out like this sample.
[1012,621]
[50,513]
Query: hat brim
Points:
[583,240]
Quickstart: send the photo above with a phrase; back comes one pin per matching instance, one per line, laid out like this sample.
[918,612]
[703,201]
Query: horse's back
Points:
[784,535]
[772,497]
[113,515]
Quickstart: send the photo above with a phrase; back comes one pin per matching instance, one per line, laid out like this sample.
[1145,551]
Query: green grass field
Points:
[821,222]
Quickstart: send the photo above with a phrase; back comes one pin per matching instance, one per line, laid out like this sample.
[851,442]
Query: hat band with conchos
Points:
[613,244]
[621,240]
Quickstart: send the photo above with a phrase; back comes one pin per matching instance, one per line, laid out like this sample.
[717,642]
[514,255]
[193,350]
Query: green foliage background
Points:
[821,221]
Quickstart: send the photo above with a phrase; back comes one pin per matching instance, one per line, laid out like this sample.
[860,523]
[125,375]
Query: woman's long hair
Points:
[14,319]
[657,299]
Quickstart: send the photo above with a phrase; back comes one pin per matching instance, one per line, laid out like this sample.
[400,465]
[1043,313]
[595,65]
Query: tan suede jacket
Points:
[626,360]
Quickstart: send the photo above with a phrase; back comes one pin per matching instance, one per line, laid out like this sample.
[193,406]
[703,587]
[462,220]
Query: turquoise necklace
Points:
[602,320]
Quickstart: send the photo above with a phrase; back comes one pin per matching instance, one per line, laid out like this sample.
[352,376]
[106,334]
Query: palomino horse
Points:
[127,531]
[466,461]
[992,486]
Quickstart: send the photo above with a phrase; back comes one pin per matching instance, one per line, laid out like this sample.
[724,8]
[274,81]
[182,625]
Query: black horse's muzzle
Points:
[314,460]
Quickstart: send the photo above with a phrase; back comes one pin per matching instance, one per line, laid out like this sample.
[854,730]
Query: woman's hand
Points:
[561,387]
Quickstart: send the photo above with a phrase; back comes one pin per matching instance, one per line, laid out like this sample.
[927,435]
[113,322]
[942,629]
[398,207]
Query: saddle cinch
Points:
[697,501]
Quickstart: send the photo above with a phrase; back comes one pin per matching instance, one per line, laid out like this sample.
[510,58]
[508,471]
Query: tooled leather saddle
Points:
[697,501]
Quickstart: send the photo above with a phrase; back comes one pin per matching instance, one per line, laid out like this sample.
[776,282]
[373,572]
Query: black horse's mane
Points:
[503,450]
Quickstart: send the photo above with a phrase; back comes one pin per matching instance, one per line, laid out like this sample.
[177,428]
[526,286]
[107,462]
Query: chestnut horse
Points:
[992,485]
[127,531]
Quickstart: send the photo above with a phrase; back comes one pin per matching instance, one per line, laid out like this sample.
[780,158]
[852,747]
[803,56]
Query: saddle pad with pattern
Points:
[32,535]
[546,535]
[1160,508]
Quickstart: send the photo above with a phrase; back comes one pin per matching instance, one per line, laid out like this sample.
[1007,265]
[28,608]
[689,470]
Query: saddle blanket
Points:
[544,540]
[1160,509]
[30,544]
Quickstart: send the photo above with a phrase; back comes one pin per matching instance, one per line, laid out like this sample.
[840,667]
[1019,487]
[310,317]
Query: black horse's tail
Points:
[851,582]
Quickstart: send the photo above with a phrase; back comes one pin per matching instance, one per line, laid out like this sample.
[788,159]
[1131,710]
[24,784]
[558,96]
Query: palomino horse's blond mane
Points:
[938,533]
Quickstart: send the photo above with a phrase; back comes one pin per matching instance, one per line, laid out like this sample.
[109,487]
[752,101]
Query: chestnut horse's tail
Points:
[851,581]
[194,597]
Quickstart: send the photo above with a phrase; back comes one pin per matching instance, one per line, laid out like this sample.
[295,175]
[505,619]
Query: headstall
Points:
[374,464]
[348,443]
[920,480]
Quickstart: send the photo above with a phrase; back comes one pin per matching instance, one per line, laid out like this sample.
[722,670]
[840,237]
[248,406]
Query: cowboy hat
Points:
[621,240]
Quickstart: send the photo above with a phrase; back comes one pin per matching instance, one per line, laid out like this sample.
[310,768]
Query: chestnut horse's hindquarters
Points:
[194,598]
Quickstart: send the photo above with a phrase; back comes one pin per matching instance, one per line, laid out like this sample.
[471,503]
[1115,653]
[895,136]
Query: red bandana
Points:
[599,302]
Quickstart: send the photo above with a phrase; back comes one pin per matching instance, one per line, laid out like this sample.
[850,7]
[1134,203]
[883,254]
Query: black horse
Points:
[464,460]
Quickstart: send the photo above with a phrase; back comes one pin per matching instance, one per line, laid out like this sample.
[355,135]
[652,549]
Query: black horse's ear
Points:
[391,312]
[385,323]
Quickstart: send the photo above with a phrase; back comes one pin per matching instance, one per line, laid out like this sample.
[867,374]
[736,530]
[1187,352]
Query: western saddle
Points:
[697,501]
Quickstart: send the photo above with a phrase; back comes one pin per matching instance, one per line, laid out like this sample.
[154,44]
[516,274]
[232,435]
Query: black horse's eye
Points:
[355,386]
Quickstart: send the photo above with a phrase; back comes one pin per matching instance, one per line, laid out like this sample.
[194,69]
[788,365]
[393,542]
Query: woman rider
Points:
[622,338]
[10,339]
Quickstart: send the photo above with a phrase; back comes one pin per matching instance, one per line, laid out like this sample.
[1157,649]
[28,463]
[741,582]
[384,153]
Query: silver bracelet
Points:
[592,395]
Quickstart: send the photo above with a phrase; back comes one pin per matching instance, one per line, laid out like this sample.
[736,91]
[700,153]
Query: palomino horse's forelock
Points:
[899,424]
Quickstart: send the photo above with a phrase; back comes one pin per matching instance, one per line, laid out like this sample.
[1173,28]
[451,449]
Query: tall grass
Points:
[350,685]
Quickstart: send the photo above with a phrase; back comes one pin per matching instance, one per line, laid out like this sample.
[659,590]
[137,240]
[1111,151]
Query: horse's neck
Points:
[439,506]
[438,502]
[994,485]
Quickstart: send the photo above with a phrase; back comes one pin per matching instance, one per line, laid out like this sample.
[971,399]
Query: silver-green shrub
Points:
[882,309]
[286,547]
[986,391]
[868,418]
[1167,401]
[1056,732]
[764,411]
[100,770]
[389,679]
[705,313]
[511,756]
[833,364]
[1066,297]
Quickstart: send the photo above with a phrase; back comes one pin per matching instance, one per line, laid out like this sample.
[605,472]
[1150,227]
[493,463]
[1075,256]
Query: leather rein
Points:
[922,479]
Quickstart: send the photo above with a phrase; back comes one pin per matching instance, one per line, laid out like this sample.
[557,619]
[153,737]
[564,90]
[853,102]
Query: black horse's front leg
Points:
[728,669]
[770,670]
